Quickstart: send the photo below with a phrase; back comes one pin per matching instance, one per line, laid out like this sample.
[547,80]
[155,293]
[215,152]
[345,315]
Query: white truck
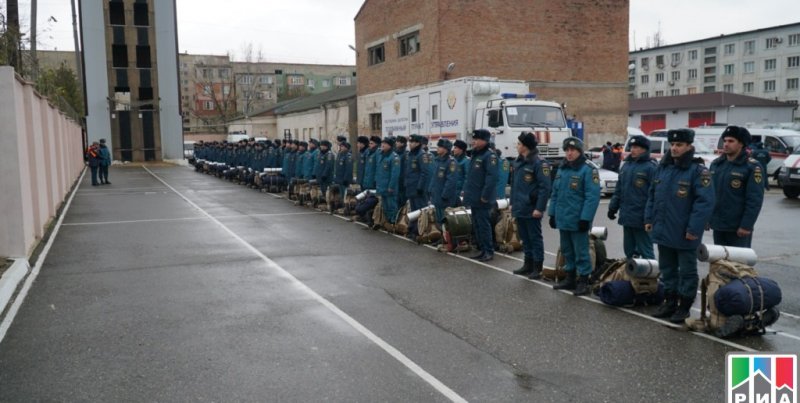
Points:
[453,109]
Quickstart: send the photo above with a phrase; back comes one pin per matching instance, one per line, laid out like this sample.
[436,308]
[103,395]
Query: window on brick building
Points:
[693,55]
[140,15]
[770,64]
[691,90]
[749,67]
[771,43]
[794,39]
[644,95]
[676,59]
[792,83]
[326,83]
[659,77]
[769,86]
[793,62]
[295,80]
[143,57]
[645,79]
[675,92]
[116,13]
[692,74]
[747,88]
[729,49]
[749,47]
[727,88]
[119,55]
[208,105]
[659,93]
[660,61]
[409,44]
[727,69]
[377,55]
[710,88]
[375,122]
[676,76]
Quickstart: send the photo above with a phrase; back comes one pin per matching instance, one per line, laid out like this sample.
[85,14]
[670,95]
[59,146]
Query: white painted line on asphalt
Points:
[75,224]
[392,351]
[96,191]
[265,215]
[12,311]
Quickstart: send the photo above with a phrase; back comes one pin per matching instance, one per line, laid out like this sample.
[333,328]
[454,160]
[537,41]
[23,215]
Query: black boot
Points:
[526,268]
[668,308]
[536,272]
[582,286]
[566,284]
[683,311]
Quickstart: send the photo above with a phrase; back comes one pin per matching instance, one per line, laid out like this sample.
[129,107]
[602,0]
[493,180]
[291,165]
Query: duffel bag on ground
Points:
[622,293]
[747,295]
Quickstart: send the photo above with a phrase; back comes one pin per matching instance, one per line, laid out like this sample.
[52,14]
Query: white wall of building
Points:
[167,70]
[369,104]
[322,123]
[266,126]
[93,34]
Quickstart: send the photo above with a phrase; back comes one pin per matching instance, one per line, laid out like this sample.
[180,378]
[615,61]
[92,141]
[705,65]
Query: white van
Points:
[660,146]
[789,175]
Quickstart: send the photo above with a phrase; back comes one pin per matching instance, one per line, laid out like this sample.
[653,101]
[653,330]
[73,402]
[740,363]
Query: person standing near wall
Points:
[93,159]
[105,162]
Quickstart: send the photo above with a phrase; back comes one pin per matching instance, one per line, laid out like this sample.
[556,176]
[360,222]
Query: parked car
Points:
[608,180]
[659,146]
[789,175]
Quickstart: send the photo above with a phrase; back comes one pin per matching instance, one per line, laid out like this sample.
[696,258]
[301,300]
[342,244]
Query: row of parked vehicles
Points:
[783,145]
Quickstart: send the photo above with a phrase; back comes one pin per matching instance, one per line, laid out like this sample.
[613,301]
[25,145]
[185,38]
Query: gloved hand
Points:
[612,215]
[553,222]
[583,226]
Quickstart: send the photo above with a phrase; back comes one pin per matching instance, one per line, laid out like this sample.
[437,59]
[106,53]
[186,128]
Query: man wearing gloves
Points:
[574,201]
[530,189]
[630,199]
[679,206]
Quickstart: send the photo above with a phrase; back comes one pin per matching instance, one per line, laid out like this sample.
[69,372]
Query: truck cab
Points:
[511,114]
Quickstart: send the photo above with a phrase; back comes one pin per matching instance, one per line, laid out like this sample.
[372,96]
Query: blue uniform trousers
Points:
[481,218]
[389,204]
[636,241]
[103,173]
[729,238]
[575,249]
[439,215]
[530,233]
[94,174]
[678,271]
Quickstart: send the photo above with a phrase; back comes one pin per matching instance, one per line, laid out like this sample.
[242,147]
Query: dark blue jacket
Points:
[403,155]
[387,172]
[739,192]
[442,186]
[576,194]
[681,201]
[503,174]
[370,168]
[310,163]
[362,164]
[324,167]
[633,188]
[481,180]
[300,165]
[463,168]
[291,163]
[105,155]
[530,185]
[344,168]
[417,172]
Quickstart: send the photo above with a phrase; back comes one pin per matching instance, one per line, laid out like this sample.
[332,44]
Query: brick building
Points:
[573,51]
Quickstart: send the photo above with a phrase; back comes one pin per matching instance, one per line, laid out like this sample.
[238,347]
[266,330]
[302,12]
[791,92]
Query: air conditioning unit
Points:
[778,40]
[661,66]
[671,83]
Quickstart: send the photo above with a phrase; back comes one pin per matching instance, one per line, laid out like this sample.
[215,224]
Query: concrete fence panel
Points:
[41,160]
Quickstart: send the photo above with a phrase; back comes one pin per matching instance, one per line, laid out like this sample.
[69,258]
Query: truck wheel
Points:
[791,192]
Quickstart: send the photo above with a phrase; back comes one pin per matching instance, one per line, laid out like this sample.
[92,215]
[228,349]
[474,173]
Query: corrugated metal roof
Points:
[697,101]
[315,101]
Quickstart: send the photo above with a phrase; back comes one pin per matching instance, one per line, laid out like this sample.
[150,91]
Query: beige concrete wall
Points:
[333,121]
[42,158]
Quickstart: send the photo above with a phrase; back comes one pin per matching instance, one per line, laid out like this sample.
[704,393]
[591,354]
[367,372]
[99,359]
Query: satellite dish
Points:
[451,67]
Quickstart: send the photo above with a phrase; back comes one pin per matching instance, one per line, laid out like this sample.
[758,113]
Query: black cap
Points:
[341,139]
[460,144]
[325,143]
[481,134]
[444,143]
[363,140]
[528,140]
[739,133]
[345,144]
[680,136]
[641,141]
[375,139]
[401,139]
[389,141]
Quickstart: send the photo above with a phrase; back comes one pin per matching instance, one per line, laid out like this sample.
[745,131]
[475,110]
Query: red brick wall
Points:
[569,41]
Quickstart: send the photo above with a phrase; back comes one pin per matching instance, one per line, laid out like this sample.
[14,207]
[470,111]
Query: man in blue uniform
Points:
[573,203]
[445,174]
[503,174]
[739,190]
[325,166]
[630,198]
[530,189]
[679,206]
[301,156]
[105,154]
[400,144]
[460,155]
[363,145]
[480,191]
[761,154]
[371,165]
[387,178]
[311,159]
[344,171]
[417,173]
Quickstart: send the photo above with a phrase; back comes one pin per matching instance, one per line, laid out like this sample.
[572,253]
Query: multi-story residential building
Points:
[130,77]
[570,51]
[763,63]
[215,89]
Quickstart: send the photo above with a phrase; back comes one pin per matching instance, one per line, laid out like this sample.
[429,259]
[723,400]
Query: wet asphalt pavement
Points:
[196,289]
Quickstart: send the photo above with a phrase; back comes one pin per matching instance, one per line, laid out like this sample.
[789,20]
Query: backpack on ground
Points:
[615,285]
[427,229]
[400,226]
[506,233]
[457,230]
[759,311]
[378,218]
[597,258]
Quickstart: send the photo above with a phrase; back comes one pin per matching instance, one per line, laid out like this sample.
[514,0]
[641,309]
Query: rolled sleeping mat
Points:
[414,215]
[600,233]
[273,169]
[712,253]
[364,194]
[240,167]
[502,203]
[642,268]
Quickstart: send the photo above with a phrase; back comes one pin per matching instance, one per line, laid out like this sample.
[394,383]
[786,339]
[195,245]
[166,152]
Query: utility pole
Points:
[34,59]
[79,69]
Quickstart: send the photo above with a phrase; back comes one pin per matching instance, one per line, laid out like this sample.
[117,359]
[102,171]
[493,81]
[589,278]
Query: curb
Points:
[11,280]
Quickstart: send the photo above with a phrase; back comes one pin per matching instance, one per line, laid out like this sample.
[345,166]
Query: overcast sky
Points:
[318,31]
